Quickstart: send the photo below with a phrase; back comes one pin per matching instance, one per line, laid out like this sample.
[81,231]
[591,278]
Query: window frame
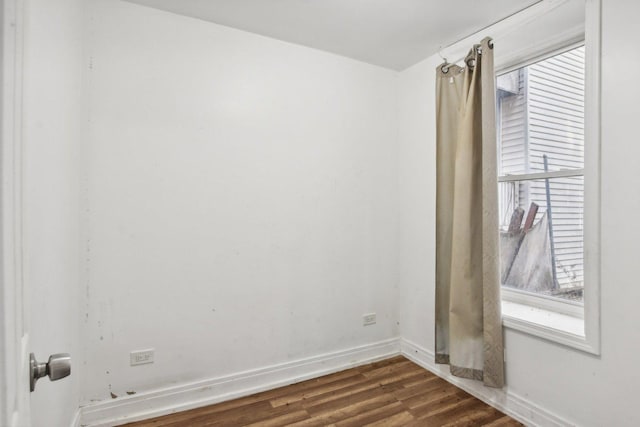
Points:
[517,296]
[546,317]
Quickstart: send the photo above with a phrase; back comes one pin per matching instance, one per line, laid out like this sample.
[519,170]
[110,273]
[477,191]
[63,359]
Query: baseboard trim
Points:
[517,407]
[192,395]
[75,422]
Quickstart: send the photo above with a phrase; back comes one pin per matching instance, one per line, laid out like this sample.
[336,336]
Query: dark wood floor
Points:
[393,392]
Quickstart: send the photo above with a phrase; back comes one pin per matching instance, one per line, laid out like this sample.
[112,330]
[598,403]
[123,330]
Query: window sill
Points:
[556,327]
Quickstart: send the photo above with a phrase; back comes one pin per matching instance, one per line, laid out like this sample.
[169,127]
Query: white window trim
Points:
[546,324]
[592,177]
[544,302]
[549,318]
[564,173]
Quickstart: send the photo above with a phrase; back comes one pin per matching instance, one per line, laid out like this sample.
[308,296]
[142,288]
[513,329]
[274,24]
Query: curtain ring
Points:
[471,63]
[490,43]
[444,68]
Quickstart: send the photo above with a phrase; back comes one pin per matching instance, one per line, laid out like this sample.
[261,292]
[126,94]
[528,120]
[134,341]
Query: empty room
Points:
[319,213]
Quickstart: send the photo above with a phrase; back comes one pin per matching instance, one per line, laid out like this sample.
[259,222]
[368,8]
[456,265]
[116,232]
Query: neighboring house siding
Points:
[513,126]
[512,115]
[556,111]
[551,97]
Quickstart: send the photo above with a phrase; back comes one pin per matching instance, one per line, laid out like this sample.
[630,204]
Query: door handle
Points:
[58,366]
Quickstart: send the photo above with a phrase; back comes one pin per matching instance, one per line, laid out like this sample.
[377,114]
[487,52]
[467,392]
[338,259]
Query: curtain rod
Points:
[445,66]
[546,5]
[488,26]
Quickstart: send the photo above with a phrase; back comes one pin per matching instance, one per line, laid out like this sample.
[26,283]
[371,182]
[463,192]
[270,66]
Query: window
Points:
[548,94]
[541,140]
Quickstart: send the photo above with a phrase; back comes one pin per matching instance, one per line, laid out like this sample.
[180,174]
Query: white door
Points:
[14,383]
[39,206]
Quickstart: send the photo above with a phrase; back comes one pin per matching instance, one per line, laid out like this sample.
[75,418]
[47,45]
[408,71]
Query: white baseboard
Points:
[75,422]
[508,402]
[206,392]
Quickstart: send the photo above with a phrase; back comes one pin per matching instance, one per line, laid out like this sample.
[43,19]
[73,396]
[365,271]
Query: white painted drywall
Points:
[242,200]
[52,126]
[583,389]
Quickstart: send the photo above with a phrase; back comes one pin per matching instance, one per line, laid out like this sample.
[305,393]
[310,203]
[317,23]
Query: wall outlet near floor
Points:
[141,357]
[368,319]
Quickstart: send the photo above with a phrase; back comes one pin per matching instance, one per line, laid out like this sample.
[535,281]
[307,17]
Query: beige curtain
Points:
[468,319]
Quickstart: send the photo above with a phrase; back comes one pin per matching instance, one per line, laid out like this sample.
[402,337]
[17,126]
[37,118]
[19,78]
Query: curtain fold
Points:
[468,318]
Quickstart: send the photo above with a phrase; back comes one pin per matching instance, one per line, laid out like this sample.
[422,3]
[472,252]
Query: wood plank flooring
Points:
[392,392]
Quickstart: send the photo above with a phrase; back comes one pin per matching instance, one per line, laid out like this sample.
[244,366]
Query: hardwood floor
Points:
[393,392]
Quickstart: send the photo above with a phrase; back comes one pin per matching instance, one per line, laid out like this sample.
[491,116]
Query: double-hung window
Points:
[541,181]
[548,188]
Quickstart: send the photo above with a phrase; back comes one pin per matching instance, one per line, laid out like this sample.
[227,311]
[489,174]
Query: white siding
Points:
[556,128]
[512,115]
[556,111]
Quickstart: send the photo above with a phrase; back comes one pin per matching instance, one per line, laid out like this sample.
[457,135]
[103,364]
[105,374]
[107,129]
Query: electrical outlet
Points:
[141,357]
[368,319]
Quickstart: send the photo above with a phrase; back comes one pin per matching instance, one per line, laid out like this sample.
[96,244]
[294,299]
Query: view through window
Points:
[541,185]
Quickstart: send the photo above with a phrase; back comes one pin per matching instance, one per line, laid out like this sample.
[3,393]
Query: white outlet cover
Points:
[141,357]
[368,319]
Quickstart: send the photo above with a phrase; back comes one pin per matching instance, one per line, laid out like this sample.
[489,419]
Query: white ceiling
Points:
[391,33]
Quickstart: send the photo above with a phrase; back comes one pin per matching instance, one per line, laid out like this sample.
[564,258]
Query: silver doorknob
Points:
[58,366]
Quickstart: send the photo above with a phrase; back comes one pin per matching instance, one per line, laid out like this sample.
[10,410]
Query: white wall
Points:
[52,125]
[417,197]
[250,199]
[242,200]
[583,389]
